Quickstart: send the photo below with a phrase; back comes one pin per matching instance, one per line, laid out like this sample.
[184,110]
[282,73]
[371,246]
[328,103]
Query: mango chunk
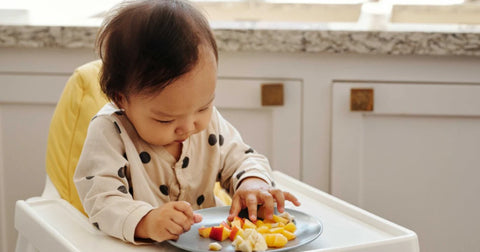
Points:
[289,235]
[279,219]
[290,227]
[275,240]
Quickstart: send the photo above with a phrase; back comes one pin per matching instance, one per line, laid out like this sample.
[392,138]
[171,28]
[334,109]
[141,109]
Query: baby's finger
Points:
[252,204]
[185,208]
[182,221]
[268,205]
[172,237]
[279,197]
[288,196]
[166,236]
[197,218]
[175,229]
[235,208]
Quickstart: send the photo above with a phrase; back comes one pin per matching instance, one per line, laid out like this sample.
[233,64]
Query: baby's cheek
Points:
[203,122]
[156,136]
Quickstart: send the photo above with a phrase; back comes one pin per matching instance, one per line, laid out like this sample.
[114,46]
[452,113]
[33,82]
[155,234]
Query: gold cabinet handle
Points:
[272,94]
[361,99]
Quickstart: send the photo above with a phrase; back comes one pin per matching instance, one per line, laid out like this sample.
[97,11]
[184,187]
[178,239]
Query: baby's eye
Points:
[203,109]
[165,122]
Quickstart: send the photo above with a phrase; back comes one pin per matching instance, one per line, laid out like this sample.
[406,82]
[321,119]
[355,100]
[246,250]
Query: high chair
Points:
[79,102]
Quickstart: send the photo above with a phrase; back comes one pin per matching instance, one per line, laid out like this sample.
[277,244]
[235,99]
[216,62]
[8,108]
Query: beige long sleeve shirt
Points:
[120,177]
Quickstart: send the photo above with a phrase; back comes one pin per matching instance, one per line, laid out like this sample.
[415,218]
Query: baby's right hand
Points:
[167,222]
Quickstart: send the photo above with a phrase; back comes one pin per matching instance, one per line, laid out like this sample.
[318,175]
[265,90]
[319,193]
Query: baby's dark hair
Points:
[145,45]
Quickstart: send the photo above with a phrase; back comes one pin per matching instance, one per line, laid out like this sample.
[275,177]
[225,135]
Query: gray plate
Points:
[308,229]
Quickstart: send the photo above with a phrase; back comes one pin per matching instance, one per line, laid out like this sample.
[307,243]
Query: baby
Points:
[153,154]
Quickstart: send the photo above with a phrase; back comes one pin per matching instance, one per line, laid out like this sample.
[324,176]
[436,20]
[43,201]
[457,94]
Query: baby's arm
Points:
[102,185]
[167,222]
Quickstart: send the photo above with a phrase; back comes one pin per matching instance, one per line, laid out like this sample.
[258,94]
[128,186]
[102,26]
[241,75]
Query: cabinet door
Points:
[414,159]
[27,102]
[274,131]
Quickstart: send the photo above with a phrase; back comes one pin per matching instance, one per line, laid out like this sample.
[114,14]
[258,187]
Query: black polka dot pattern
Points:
[212,139]
[240,174]
[164,190]
[220,140]
[249,151]
[122,189]
[200,200]
[145,157]
[95,224]
[273,183]
[185,162]
[89,177]
[122,171]
[117,127]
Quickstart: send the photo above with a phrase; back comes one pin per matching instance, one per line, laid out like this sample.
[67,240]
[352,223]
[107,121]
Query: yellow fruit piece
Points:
[290,227]
[289,235]
[204,231]
[240,233]
[248,224]
[263,229]
[275,240]
[269,225]
[279,219]
[278,230]
[259,223]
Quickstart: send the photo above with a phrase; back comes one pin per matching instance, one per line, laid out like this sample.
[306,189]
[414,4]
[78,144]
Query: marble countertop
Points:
[363,37]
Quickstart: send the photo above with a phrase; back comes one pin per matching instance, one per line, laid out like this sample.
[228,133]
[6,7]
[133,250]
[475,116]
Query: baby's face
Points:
[180,110]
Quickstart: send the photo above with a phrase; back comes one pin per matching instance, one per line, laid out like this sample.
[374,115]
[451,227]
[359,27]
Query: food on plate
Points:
[251,240]
[275,240]
[214,246]
[287,216]
[205,231]
[253,236]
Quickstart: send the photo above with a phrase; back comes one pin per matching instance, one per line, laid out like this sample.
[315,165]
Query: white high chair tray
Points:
[55,225]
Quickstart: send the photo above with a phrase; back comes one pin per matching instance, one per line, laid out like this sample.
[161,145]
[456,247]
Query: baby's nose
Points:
[185,128]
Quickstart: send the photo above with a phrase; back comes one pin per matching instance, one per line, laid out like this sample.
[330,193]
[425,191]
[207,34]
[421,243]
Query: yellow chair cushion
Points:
[80,101]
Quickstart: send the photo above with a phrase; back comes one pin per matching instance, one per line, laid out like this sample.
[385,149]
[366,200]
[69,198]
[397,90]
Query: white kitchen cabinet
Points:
[26,106]
[274,131]
[414,159]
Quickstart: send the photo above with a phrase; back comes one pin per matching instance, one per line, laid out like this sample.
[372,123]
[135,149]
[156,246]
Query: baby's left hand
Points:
[255,191]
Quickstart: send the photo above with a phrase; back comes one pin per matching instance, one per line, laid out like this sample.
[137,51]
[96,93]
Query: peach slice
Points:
[204,231]
[219,233]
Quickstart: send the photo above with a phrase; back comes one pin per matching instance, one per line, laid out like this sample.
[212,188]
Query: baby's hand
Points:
[167,222]
[255,191]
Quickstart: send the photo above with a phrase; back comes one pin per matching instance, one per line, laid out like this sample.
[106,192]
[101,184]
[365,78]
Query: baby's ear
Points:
[120,100]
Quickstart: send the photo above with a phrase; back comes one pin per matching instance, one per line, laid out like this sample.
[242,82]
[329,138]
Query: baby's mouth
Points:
[181,140]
